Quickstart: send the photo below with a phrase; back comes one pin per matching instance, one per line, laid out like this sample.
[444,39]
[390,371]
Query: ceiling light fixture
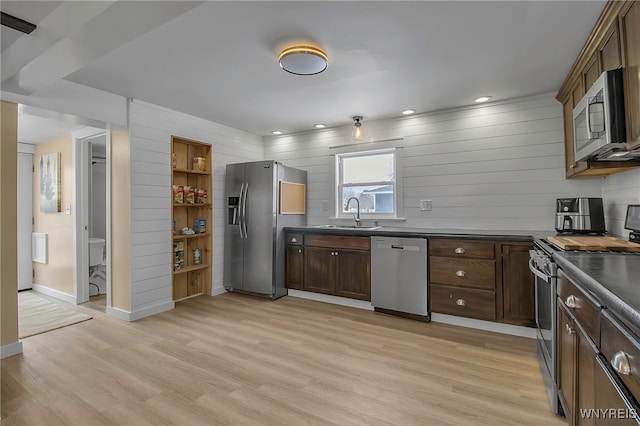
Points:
[357,135]
[319,126]
[303,60]
[408,111]
[276,132]
[483,99]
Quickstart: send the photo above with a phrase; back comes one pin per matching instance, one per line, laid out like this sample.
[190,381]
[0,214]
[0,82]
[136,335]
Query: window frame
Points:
[396,183]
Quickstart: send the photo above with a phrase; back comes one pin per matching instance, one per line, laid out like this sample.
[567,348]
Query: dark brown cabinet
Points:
[611,397]
[319,270]
[353,274]
[613,43]
[294,264]
[566,361]
[517,285]
[630,30]
[585,383]
[329,264]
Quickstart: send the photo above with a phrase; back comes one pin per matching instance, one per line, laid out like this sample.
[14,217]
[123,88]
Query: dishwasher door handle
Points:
[397,247]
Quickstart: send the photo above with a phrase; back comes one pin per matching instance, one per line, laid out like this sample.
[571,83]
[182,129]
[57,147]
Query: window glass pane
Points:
[368,168]
[373,198]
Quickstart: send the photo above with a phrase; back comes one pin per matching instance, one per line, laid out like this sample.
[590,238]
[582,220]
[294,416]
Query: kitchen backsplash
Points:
[496,166]
[619,191]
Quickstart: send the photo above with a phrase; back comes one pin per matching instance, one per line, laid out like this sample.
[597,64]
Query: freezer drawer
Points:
[399,275]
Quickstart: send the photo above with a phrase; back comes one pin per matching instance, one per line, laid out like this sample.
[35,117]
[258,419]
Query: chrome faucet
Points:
[357,216]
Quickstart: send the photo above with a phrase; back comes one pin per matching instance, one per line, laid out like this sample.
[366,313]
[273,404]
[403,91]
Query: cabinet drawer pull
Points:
[571,301]
[461,302]
[333,253]
[294,240]
[460,250]
[573,166]
[569,329]
[460,273]
[620,363]
[299,250]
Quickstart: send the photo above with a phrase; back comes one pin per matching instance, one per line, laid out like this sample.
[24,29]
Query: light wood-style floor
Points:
[235,359]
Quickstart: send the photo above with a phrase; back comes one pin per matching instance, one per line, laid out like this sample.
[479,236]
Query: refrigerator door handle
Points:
[244,210]
[240,218]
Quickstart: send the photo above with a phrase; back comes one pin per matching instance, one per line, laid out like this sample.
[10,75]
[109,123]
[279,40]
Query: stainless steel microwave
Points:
[598,119]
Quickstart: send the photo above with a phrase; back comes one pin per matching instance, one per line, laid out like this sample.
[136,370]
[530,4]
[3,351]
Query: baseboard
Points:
[318,297]
[217,291]
[496,327]
[119,313]
[10,350]
[69,298]
[142,313]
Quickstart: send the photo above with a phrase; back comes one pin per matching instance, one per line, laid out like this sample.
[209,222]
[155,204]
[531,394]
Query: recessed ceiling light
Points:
[319,126]
[408,111]
[483,99]
[276,132]
[303,60]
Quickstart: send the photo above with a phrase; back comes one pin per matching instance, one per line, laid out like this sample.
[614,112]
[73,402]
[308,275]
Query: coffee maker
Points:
[580,216]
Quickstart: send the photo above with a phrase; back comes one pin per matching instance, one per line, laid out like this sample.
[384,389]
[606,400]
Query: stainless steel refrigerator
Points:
[253,236]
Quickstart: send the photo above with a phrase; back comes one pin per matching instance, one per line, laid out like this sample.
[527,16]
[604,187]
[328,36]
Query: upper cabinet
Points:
[613,43]
[630,30]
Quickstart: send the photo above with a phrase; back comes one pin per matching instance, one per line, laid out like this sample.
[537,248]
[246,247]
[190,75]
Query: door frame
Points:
[81,156]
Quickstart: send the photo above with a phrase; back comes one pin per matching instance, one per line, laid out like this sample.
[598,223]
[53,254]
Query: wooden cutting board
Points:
[593,243]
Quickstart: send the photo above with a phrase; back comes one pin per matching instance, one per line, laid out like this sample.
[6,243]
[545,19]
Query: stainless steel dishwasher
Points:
[399,282]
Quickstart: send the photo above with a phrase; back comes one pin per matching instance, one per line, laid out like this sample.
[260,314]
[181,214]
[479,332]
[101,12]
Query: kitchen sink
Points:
[364,228]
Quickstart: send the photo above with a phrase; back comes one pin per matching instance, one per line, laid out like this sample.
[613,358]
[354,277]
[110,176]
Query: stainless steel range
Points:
[545,272]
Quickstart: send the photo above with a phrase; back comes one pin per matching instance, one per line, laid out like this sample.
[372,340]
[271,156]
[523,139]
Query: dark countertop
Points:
[614,278]
[390,231]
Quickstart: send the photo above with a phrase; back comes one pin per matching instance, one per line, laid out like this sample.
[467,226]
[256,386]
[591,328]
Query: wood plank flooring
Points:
[236,360]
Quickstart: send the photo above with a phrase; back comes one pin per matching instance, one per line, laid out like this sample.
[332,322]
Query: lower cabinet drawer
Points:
[621,348]
[464,302]
[463,272]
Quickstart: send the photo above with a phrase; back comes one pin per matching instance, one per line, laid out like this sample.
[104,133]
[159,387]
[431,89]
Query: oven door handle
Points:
[537,273]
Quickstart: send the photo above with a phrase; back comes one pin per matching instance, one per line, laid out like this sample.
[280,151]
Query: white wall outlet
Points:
[67,209]
[425,205]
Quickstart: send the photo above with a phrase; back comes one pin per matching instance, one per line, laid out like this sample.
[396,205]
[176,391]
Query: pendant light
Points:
[357,135]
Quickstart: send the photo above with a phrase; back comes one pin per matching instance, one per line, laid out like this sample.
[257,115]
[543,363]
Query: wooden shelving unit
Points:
[191,279]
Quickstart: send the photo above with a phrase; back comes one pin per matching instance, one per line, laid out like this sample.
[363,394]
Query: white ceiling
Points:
[218,60]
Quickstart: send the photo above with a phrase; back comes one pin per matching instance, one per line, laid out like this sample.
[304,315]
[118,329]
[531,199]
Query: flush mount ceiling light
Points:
[276,132]
[483,99]
[357,135]
[303,60]
[408,111]
[319,126]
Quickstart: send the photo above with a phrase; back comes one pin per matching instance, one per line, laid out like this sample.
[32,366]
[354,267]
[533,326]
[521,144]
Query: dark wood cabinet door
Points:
[630,25]
[294,267]
[611,398]
[566,361]
[319,270]
[610,50]
[353,274]
[591,72]
[585,383]
[517,285]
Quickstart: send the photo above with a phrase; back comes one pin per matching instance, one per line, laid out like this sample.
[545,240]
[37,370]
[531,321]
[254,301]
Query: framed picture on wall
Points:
[50,183]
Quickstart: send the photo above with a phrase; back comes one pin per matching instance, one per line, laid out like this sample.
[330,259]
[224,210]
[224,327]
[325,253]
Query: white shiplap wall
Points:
[151,128]
[619,191]
[498,166]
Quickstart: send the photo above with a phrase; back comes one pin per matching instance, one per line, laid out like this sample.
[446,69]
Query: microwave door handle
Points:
[588,120]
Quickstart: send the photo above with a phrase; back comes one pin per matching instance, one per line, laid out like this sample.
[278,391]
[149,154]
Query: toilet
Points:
[97,267]
[96,251]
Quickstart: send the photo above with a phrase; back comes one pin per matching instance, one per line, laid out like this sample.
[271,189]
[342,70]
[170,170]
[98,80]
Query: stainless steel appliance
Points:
[598,120]
[632,222]
[399,282]
[580,215]
[545,272]
[253,236]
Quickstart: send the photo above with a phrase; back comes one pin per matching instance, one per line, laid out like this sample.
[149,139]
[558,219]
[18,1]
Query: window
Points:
[370,177]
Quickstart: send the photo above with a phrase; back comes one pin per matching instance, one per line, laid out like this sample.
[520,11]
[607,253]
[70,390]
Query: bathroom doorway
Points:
[92,175]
